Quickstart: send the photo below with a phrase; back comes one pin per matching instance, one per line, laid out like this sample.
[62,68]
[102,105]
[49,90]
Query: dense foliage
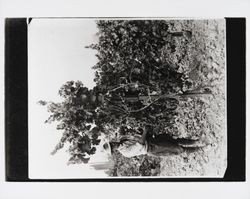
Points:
[74,117]
[132,62]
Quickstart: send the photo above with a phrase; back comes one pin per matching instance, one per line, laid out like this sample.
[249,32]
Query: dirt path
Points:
[203,59]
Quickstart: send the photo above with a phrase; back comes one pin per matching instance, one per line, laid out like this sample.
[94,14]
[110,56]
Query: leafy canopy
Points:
[132,73]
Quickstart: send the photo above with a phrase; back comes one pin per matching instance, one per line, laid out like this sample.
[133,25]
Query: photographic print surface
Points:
[128,97]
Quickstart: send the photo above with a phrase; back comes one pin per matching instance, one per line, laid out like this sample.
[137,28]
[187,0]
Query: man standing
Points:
[160,145]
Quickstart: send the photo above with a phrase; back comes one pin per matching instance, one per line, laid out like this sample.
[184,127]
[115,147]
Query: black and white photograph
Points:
[124,99]
[114,98]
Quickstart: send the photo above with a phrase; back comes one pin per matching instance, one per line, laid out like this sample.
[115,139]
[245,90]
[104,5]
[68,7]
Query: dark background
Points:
[16,105]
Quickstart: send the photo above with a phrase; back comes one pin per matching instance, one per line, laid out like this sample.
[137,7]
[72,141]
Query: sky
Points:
[56,54]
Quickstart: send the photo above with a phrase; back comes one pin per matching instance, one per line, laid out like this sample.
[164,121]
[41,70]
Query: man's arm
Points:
[144,135]
[138,137]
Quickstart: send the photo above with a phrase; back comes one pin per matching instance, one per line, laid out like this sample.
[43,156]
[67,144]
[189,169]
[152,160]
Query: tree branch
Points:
[141,109]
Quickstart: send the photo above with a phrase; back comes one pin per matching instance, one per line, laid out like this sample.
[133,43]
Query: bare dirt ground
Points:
[203,60]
